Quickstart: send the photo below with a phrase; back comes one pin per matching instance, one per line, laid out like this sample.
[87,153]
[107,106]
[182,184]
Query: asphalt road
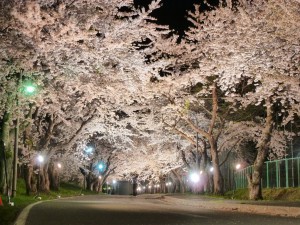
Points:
[120,210]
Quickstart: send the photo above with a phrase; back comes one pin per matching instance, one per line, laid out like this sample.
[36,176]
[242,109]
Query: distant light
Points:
[238,166]
[195,177]
[114,181]
[58,165]
[149,186]
[99,177]
[201,171]
[40,158]
[100,166]
[144,187]
[89,150]
[138,189]
[211,169]
[170,183]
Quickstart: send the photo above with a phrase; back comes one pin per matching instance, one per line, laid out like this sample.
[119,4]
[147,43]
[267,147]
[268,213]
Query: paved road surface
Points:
[120,210]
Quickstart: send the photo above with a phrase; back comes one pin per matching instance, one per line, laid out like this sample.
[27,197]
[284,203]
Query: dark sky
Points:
[173,12]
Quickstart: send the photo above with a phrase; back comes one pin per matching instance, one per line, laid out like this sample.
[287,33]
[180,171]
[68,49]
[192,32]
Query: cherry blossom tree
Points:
[52,37]
[106,67]
[251,42]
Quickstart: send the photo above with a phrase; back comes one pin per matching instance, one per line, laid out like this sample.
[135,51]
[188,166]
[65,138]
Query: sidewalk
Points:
[275,208]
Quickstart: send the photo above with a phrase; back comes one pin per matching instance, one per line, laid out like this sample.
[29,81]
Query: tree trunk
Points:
[162,181]
[53,177]
[44,182]
[217,175]
[5,137]
[134,185]
[100,186]
[254,179]
[182,187]
[28,172]
[89,182]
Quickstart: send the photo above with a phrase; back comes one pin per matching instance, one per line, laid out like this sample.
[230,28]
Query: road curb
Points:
[21,219]
[240,207]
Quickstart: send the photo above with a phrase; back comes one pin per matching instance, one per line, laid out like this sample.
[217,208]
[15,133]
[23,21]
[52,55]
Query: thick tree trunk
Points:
[5,137]
[162,181]
[53,177]
[182,186]
[89,182]
[29,179]
[100,186]
[217,175]
[134,185]
[44,182]
[254,179]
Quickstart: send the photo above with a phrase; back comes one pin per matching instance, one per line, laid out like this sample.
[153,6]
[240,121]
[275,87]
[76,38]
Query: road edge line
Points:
[21,219]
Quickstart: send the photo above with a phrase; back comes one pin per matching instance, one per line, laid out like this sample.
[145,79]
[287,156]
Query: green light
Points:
[29,89]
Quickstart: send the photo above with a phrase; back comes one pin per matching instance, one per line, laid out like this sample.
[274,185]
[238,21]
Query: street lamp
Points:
[195,177]
[40,160]
[101,166]
[89,150]
[28,89]
[238,166]
[114,186]
[59,167]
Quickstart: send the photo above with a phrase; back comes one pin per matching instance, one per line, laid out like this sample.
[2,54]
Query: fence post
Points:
[268,175]
[286,173]
[298,160]
[277,175]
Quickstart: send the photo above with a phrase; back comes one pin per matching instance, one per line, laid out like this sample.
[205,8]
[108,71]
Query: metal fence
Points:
[282,173]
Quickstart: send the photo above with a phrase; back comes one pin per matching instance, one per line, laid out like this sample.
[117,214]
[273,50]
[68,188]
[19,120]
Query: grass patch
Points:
[8,214]
[283,194]
[280,194]
[240,194]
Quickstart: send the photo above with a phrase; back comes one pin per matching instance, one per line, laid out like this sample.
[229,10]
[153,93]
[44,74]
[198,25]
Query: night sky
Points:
[174,12]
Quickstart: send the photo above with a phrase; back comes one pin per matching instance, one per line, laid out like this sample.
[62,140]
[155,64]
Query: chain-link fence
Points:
[276,174]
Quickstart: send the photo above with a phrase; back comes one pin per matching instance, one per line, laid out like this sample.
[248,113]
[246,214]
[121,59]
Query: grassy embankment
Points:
[8,214]
[282,194]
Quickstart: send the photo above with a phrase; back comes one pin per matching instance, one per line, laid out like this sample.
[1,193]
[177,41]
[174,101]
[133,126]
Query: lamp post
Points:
[40,159]
[107,187]
[195,178]
[235,181]
[114,191]
[59,167]
[27,89]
